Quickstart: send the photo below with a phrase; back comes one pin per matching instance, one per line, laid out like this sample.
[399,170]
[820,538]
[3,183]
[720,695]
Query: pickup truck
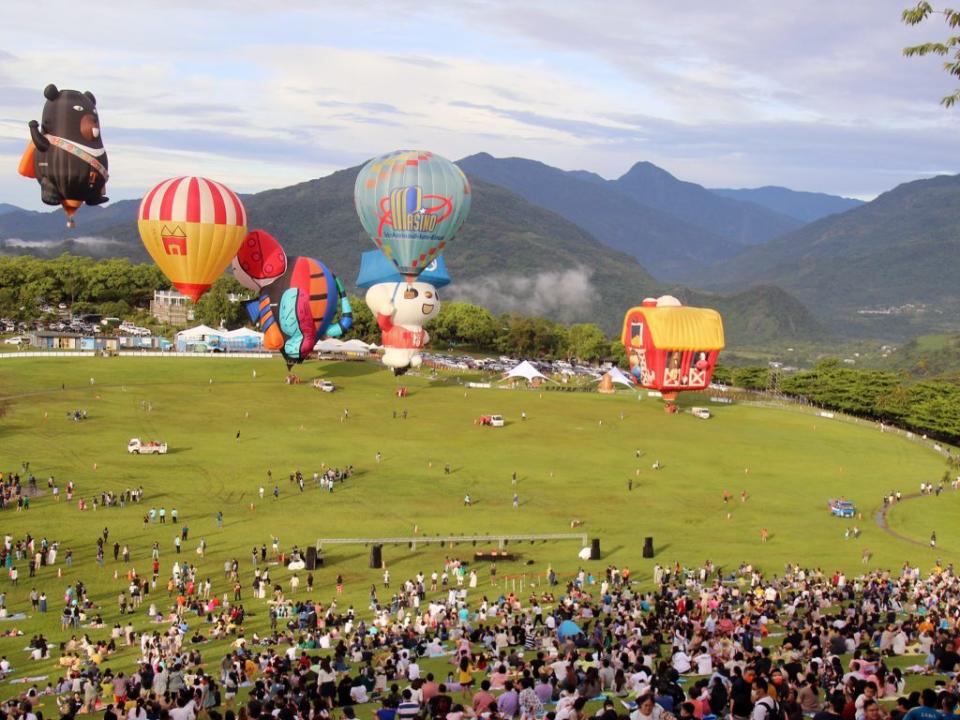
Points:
[138,447]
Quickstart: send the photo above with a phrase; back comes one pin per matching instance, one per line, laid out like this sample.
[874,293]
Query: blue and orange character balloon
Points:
[411,203]
[298,306]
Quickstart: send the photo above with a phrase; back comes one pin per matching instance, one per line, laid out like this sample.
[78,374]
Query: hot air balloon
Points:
[672,348]
[299,306]
[65,153]
[411,203]
[192,228]
[259,261]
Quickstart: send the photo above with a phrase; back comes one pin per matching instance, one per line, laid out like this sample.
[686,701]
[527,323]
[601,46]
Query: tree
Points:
[216,308]
[461,322]
[586,342]
[949,48]
[365,326]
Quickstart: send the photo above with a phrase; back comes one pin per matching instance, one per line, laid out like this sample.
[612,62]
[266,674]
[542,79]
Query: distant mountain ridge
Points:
[888,267]
[744,223]
[803,206]
[673,227]
[6,208]
[664,244]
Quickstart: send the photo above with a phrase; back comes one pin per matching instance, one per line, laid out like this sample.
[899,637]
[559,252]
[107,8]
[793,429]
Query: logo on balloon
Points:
[174,241]
[409,212]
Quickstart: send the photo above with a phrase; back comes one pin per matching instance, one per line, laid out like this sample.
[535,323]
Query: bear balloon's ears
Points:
[90,95]
[50,92]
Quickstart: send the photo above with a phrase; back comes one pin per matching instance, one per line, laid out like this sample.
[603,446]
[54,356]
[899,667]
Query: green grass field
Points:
[573,455]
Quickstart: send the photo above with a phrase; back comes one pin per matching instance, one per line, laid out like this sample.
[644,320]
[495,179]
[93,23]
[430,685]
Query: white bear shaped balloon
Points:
[401,310]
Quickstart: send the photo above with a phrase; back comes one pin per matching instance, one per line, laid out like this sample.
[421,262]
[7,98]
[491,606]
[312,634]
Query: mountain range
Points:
[673,228]
[803,206]
[886,268]
[511,256]
[578,247]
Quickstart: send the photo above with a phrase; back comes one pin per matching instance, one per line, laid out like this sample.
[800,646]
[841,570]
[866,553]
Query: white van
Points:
[701,412]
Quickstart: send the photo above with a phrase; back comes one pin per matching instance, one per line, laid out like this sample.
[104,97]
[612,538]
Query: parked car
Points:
[701,412]
[842,508]
[326,386]
[17,340]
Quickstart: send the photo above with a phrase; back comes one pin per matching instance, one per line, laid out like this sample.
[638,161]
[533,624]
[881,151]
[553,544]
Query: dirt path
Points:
[880,516]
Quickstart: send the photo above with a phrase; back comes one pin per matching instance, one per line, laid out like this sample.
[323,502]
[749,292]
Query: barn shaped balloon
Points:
[672,348]
[192,228]
[411,203]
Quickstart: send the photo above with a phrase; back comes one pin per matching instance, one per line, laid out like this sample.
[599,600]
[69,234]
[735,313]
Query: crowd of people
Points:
[703,643]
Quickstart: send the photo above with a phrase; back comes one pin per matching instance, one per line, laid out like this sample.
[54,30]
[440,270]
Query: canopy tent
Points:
[526,371]
[204,336]
[329,345]
[616,376]
[340,347]
[243,332]
[200,332]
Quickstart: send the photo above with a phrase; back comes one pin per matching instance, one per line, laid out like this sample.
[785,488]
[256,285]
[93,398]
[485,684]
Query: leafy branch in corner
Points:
[949,49]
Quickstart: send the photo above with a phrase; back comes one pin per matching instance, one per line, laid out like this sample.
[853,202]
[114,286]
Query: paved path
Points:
[881,519]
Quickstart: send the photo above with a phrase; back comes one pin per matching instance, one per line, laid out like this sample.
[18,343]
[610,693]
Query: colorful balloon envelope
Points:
[411,203]
[192,228]
[65,154]
[259,261]
[299,308]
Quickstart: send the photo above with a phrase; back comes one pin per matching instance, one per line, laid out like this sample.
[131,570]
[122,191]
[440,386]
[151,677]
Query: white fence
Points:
[160,353]
[52,353]
[133,353]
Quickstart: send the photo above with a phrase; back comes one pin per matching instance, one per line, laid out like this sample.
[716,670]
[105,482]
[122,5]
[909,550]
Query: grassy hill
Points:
[926,356]
[573,457]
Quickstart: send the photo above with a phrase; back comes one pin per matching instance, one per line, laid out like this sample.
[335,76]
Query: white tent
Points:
[526,371]
[200,332]
[617,376]
[350,347]
[243,332]
[355,346]
[329,345]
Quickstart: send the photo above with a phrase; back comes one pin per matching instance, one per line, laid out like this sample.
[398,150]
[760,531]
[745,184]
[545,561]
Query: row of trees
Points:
[109,287]
[120,288]
[930,407]
[462,324]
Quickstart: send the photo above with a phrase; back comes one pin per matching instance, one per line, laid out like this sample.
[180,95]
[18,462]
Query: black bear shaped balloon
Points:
[66,153]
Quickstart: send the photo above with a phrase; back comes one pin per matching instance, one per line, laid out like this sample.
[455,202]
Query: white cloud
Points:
[814,95]
[535,296]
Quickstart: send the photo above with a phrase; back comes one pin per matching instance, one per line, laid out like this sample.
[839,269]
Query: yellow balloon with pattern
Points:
[192,227]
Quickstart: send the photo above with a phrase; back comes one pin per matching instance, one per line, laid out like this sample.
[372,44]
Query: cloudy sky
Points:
[813,95]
